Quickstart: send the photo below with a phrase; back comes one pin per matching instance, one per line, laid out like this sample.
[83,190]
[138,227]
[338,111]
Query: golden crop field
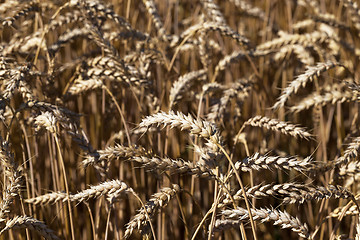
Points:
[157,119]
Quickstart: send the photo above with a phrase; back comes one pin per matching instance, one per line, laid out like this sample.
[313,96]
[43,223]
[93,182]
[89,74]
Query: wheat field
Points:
[173,119]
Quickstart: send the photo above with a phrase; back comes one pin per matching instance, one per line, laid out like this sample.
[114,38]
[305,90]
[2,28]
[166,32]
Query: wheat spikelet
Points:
[183,84]
[212,87]
[311,73]
[66,18]
[13,173]
[45,120]
[357,237]
[330,20]
[31,7]
[8,6]
[49,198]
[58,111]
[354,10]
[81,86]
[351,211]
[204,49]
[25,45]
[103,188]
[67,37]
[281,218]
[301,53]
[157,201]
[20,222]
[114,70]
[306,23]
[239,90]
[248,9]
[350,152]
[258,162]
[237,56]
[151,8]
[349,169]
[11,191]
[14,78]
[212,10]
[207,157]
[100,10]
[280,126]
[213,26]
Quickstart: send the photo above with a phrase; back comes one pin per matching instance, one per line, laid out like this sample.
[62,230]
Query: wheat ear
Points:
[290,193]
[351,152]
[280,126]
[281,218]
[156,202]
[20,222]
[105,188]
[258,162]
[311,73]
[200,128]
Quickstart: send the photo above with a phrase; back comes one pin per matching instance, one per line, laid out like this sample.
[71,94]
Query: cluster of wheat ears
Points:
[202,119]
